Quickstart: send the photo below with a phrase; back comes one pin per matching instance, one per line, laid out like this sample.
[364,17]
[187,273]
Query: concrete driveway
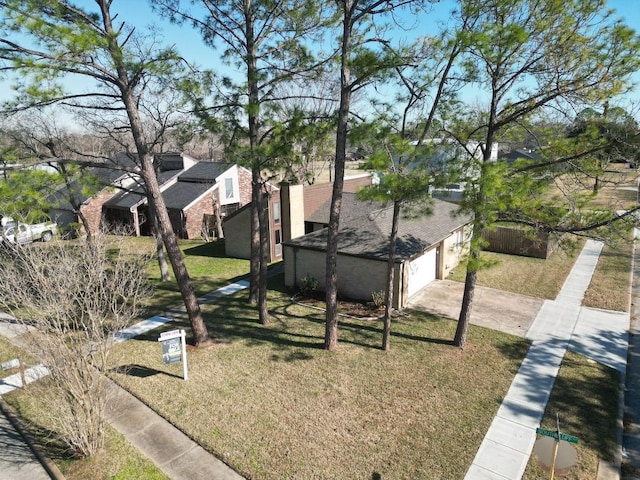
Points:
[508,312]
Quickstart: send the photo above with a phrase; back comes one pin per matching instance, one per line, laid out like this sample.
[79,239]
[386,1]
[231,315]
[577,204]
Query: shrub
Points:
[308,285]
[378,298]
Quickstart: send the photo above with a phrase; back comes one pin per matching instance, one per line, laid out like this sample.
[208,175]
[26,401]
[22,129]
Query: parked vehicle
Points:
[21,233]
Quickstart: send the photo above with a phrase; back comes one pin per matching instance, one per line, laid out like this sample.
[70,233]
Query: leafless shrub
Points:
[76,295]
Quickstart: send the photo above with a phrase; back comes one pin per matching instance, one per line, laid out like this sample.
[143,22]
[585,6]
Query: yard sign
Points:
[174,348]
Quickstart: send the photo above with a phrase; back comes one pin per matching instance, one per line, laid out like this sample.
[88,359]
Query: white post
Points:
[183,336]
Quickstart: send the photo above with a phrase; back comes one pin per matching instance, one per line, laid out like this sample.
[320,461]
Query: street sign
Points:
[554,434]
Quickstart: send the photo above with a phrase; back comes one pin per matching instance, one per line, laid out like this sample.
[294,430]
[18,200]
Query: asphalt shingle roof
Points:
[365,229]
[105,176]
[182,194]
[204,172]
[129,198]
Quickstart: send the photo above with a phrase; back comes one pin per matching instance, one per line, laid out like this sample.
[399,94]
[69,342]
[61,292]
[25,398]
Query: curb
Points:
[51,468]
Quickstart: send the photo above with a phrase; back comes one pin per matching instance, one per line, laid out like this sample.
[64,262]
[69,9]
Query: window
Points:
[459,239]
[278,243]
[228,188]
[276,213]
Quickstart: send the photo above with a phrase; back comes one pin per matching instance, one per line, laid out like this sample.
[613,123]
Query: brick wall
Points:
[244,181]
[195,216]
[92,210]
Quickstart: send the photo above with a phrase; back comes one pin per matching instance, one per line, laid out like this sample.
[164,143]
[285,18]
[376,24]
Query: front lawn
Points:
[270,402]
[273,404]
[208,267]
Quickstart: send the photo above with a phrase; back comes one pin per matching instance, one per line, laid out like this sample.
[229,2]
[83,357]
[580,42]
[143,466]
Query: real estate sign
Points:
[174,348]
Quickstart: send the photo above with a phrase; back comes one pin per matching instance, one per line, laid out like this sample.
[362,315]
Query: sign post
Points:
[174,349]
[568,454]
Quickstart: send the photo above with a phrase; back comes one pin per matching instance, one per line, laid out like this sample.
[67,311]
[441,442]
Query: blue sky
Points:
[190,45]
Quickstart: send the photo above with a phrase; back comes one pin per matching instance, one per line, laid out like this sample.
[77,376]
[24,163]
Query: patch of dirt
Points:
[353,308]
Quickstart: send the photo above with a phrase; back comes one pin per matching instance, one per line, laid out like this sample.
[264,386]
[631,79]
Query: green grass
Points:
[524,275]
[609,288]
[273,404]
[117,460]
[585,398]
[206,263]
[610,285]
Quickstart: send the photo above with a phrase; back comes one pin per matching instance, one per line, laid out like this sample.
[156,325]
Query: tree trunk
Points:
[254,259]
[217,218]
[162,259]
[263,312]
[154,195]
[388,296]
[465,311]
[76,204]
[200,334]
[331,279]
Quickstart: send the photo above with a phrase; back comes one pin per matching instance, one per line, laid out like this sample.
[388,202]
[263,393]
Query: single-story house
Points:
[427,248]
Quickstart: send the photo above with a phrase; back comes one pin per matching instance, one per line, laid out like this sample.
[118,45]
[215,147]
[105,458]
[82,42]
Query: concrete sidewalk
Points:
[560,324]
[167,447]
[17,460]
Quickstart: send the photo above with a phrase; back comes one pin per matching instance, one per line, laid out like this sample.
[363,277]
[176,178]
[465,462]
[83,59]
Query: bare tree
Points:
[75,297]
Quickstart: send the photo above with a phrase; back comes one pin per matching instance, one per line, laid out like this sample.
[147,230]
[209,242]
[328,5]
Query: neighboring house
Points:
[191,201]
[190,194]
[127,210]
[87,194]
[302,203]
[426,248]
[117,199]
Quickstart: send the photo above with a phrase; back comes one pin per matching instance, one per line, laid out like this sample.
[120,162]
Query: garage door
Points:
[422,271]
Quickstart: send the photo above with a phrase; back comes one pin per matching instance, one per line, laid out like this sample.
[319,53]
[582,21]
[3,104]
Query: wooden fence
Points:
[518,242]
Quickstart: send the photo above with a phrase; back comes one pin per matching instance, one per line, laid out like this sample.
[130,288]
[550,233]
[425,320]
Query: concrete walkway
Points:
[560,324]
[17,460]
